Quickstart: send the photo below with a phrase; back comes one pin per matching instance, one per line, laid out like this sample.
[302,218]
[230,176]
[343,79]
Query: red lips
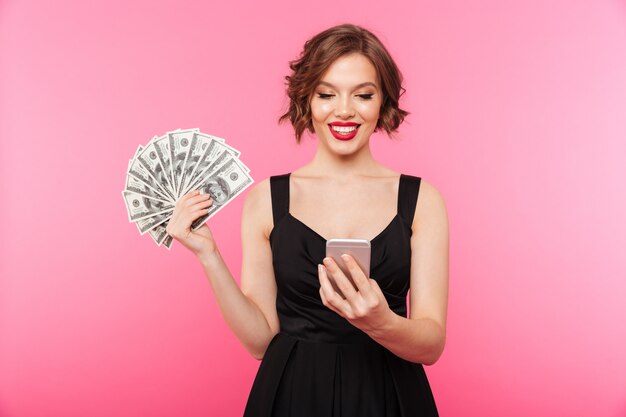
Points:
[343,124]
[343,136]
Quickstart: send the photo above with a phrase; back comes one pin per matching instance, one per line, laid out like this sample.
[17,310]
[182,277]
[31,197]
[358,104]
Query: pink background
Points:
[518,118]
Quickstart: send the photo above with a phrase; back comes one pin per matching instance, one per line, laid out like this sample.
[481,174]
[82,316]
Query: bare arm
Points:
[250,312]
[421,337]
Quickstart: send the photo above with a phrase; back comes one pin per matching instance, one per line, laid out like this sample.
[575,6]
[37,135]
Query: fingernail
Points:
[345,257]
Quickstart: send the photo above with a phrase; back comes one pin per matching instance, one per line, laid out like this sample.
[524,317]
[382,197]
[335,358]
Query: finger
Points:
[192,216]
[187,196]
[204,231]
[172,227]
[327,299]
[174,216]
[201,205]
[332,297]
[340,278]
[182,223]
[376,288]
[196,199]
[358,276]
[327,304]
[198,213]
[334,285]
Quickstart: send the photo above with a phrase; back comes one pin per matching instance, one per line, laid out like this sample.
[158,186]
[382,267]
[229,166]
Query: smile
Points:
[343,129]
[344,132]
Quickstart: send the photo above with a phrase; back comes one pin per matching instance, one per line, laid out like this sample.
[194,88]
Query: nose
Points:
[344,108]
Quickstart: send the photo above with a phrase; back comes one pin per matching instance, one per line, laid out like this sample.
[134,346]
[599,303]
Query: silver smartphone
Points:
[360,249]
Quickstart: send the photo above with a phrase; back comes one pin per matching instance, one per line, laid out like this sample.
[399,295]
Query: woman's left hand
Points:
[364,307]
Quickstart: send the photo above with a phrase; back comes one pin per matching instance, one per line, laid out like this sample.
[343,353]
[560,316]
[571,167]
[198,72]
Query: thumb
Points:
[204,231]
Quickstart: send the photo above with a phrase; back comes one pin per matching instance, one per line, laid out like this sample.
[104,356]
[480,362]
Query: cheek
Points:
[370,111]
[320,110]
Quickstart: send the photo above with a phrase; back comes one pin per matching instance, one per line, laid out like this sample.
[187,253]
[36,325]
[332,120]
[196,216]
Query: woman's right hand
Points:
[187,209]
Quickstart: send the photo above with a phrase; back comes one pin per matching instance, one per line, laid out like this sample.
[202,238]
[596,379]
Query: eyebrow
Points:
[356,87]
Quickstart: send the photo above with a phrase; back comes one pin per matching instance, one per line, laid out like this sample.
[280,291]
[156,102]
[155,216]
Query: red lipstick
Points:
[347,132]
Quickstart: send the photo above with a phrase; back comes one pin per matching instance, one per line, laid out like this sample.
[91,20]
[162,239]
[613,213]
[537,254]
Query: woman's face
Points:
[349,95]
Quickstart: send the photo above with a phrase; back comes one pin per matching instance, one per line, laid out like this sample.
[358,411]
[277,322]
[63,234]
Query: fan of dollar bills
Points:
[174,164]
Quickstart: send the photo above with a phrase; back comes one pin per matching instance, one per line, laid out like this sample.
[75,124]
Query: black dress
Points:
[320,365]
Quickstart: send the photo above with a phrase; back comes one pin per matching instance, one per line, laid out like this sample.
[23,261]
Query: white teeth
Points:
[344,129]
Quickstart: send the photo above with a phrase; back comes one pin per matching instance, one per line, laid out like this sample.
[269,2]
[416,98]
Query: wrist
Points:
[209,257]
[385,326]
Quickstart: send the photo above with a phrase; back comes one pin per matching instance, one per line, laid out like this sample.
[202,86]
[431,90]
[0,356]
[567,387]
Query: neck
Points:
[331,164]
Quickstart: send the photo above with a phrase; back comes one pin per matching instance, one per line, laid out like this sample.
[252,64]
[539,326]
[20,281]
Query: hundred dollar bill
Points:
[139,206]
[136,184]
[224,146]
[224,184]
[148,223]
[139,187]
[200,145]
[151,160]
[130,161]
[167,242]
[173,164]
[245,168]
[179,142]
[137,152]
[140,172]
[209,159]
[159,233]
[196,148]
[201,159]
[152,234]
[160,236]
[162,148]
[213,160]
[222,142]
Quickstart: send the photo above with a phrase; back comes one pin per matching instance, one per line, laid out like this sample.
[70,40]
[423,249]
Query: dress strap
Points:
[407,196]
[279,185]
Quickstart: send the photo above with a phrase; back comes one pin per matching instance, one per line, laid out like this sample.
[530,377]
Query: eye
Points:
[365,96]
[325,96]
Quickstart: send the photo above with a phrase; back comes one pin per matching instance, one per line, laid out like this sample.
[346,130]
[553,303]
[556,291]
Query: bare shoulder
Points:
[257,207]
[430,205]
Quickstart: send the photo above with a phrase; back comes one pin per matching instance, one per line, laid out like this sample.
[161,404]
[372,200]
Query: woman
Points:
[323,354]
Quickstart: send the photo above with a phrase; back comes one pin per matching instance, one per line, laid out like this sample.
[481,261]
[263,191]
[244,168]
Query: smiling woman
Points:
[341,108]
[328,347]
[320,53]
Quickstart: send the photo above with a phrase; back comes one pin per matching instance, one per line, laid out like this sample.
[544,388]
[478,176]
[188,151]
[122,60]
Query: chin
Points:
[346,150]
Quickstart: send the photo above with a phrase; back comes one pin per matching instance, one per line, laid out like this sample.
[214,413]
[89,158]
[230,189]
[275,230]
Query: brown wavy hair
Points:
[319,53]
